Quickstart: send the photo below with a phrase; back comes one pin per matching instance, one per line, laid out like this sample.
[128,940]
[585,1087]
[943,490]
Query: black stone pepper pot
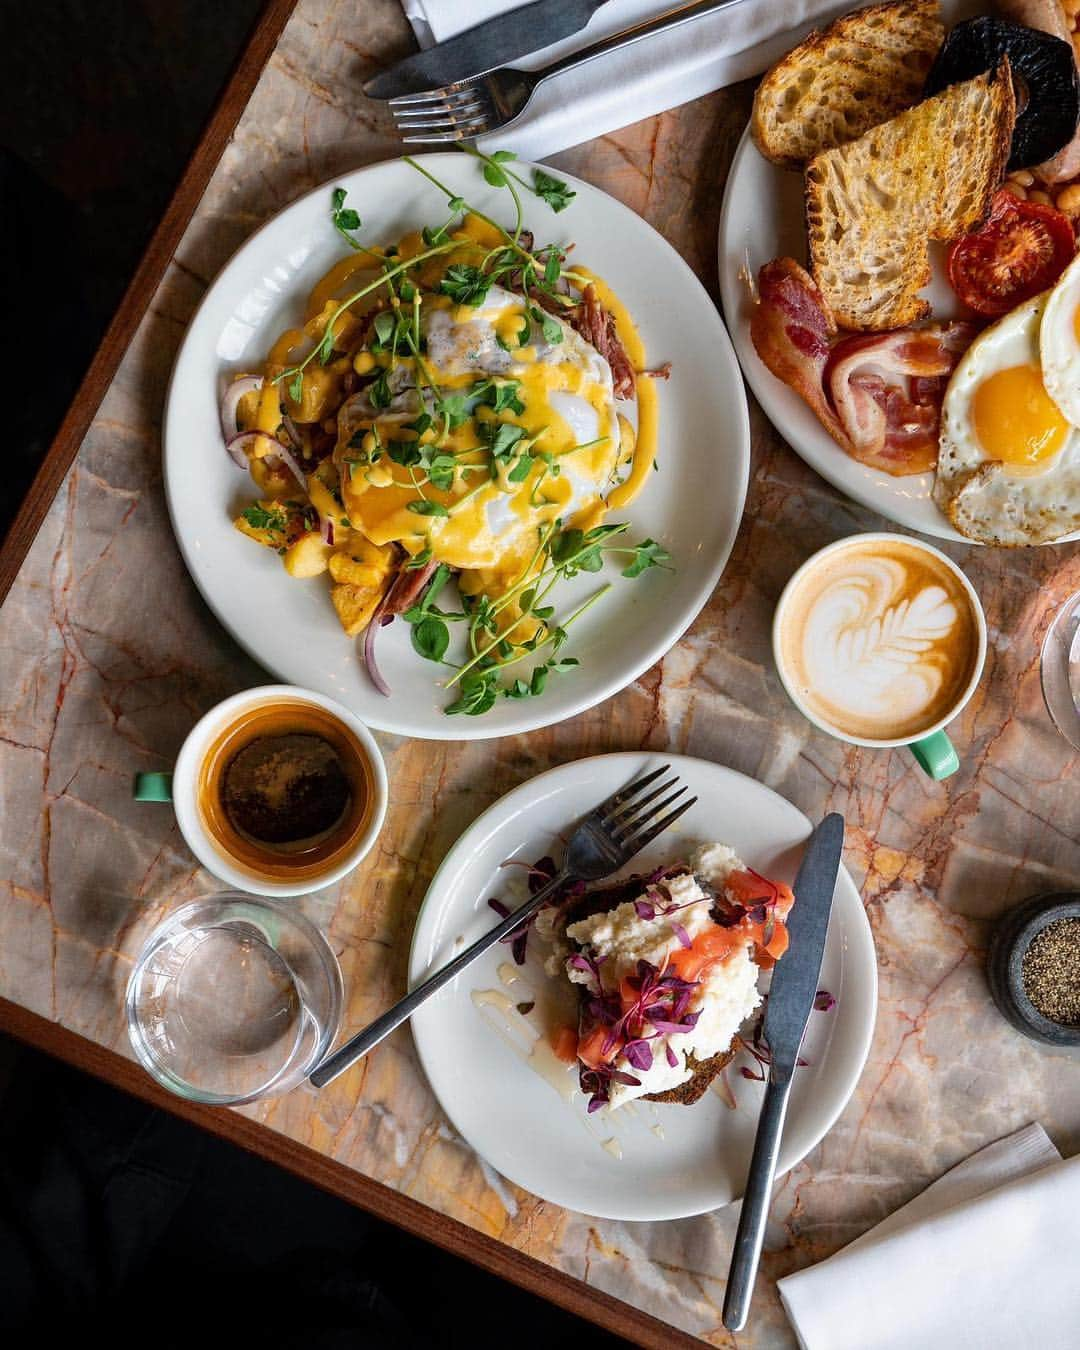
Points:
[1004,964]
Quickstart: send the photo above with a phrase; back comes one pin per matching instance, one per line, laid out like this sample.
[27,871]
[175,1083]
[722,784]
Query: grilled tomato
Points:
[1021,250]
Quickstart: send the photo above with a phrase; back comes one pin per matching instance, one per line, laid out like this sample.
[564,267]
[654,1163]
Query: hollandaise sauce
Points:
[438,413]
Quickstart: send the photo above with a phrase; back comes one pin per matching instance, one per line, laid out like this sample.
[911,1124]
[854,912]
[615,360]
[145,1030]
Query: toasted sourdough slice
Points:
[595,901]
[873,205]
[839,82]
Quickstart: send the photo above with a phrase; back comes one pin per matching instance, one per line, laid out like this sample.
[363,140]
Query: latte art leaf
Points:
[881,648]
[873,644]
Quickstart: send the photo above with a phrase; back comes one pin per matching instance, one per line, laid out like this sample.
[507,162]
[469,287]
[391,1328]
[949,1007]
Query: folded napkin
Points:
[984,1259]
[649,77]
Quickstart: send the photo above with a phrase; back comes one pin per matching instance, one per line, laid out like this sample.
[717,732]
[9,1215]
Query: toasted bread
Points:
[838,83]
[873,205]
[686,1094]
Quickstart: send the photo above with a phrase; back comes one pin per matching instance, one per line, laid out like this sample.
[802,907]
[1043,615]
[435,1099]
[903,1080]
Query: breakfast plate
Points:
[764,217]
[520,1108]
[289,625]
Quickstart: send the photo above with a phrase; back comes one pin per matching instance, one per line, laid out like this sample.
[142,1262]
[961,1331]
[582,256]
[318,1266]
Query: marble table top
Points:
[109,655]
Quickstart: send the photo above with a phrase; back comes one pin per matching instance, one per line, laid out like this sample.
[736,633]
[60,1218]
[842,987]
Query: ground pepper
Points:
[1051,971]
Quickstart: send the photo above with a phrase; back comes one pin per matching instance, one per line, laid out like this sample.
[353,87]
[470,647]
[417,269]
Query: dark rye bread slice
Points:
[601,898]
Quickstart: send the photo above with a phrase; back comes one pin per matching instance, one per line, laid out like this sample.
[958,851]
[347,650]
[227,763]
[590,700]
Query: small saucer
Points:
[1004,964]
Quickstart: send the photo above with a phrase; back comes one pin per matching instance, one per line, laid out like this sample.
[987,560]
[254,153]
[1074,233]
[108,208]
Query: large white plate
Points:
[693,506]
[521,1123]
[762,218]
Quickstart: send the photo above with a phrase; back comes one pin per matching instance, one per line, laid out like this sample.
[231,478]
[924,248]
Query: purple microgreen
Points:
[683,936]
[639,1054]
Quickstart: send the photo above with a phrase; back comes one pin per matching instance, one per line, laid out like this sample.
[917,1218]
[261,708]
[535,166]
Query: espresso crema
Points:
[879,640]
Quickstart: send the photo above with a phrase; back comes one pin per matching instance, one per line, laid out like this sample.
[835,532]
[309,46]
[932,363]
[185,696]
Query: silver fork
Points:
[469,108]
[604,841]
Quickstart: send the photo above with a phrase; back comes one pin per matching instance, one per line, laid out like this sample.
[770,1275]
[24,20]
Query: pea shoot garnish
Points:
[438,432]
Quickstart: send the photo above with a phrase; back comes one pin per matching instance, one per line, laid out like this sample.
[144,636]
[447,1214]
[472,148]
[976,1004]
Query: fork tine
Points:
[619,817]
[639,841]
[425,96]
[624,830]
[454,101]
[623,795]
[442,117]
[441,137]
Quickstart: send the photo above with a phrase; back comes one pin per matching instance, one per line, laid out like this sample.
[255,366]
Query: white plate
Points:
[761,219]
[515,1117]
[290,626]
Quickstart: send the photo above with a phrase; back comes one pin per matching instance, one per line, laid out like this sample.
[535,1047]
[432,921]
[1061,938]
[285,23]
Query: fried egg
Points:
[1009,468]
[1059,343]
[565,406]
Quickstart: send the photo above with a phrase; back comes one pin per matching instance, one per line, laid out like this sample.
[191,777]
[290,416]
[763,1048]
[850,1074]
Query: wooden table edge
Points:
[163,243]
[30,1028]
[489,1253]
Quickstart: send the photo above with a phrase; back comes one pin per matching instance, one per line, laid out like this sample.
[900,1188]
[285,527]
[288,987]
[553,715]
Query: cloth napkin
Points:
[984,1259]
[649,77]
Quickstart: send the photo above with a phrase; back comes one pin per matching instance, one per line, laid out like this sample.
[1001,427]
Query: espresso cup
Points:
[880,640]
[278,791]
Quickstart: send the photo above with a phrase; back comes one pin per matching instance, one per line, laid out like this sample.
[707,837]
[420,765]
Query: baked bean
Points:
[1072,10]
[1024,176]
[1015,189]
[1068,200]
[1043,198]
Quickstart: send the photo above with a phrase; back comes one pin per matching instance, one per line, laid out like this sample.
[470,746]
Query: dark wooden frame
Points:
[490,1254]
[163,243]
[486,1252]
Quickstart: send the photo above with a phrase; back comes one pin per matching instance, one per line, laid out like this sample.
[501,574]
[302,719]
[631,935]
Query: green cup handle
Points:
[936,755]
[152,787]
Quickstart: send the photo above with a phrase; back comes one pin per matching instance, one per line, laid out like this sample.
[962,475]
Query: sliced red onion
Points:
[230,401]
[292,431]
[368,650]
[326,529]
[286,457]
[239,445]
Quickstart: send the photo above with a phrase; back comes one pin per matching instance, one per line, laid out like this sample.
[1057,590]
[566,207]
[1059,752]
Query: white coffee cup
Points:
[183,785]
[929,744]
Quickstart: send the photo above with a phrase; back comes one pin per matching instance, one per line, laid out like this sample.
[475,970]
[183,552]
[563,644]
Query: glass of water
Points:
[233,998]
[1060,670]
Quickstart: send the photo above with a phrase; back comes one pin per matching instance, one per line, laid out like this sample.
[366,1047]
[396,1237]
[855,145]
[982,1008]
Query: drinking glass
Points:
[233,997]
[1060,670]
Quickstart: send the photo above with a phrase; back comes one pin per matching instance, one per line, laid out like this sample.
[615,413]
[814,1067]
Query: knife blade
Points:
[791,996]
[496,42]
[795,979]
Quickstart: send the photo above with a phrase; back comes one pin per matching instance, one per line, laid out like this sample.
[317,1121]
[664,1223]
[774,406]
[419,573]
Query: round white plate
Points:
[762,218]
[692,507]
[676,1160]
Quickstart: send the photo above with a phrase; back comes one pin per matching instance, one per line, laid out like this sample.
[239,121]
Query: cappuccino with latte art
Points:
[879,639]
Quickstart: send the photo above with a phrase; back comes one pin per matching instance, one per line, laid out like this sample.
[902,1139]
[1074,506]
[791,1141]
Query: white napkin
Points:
[984,1259]
[649,77]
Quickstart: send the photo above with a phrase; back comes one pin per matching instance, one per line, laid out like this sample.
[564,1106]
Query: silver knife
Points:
[791,996]
[498,41]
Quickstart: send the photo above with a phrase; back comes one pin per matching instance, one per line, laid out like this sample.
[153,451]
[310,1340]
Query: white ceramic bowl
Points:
[185,788]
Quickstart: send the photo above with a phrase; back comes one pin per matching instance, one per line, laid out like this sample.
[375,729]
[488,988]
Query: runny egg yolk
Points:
[1015,419]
